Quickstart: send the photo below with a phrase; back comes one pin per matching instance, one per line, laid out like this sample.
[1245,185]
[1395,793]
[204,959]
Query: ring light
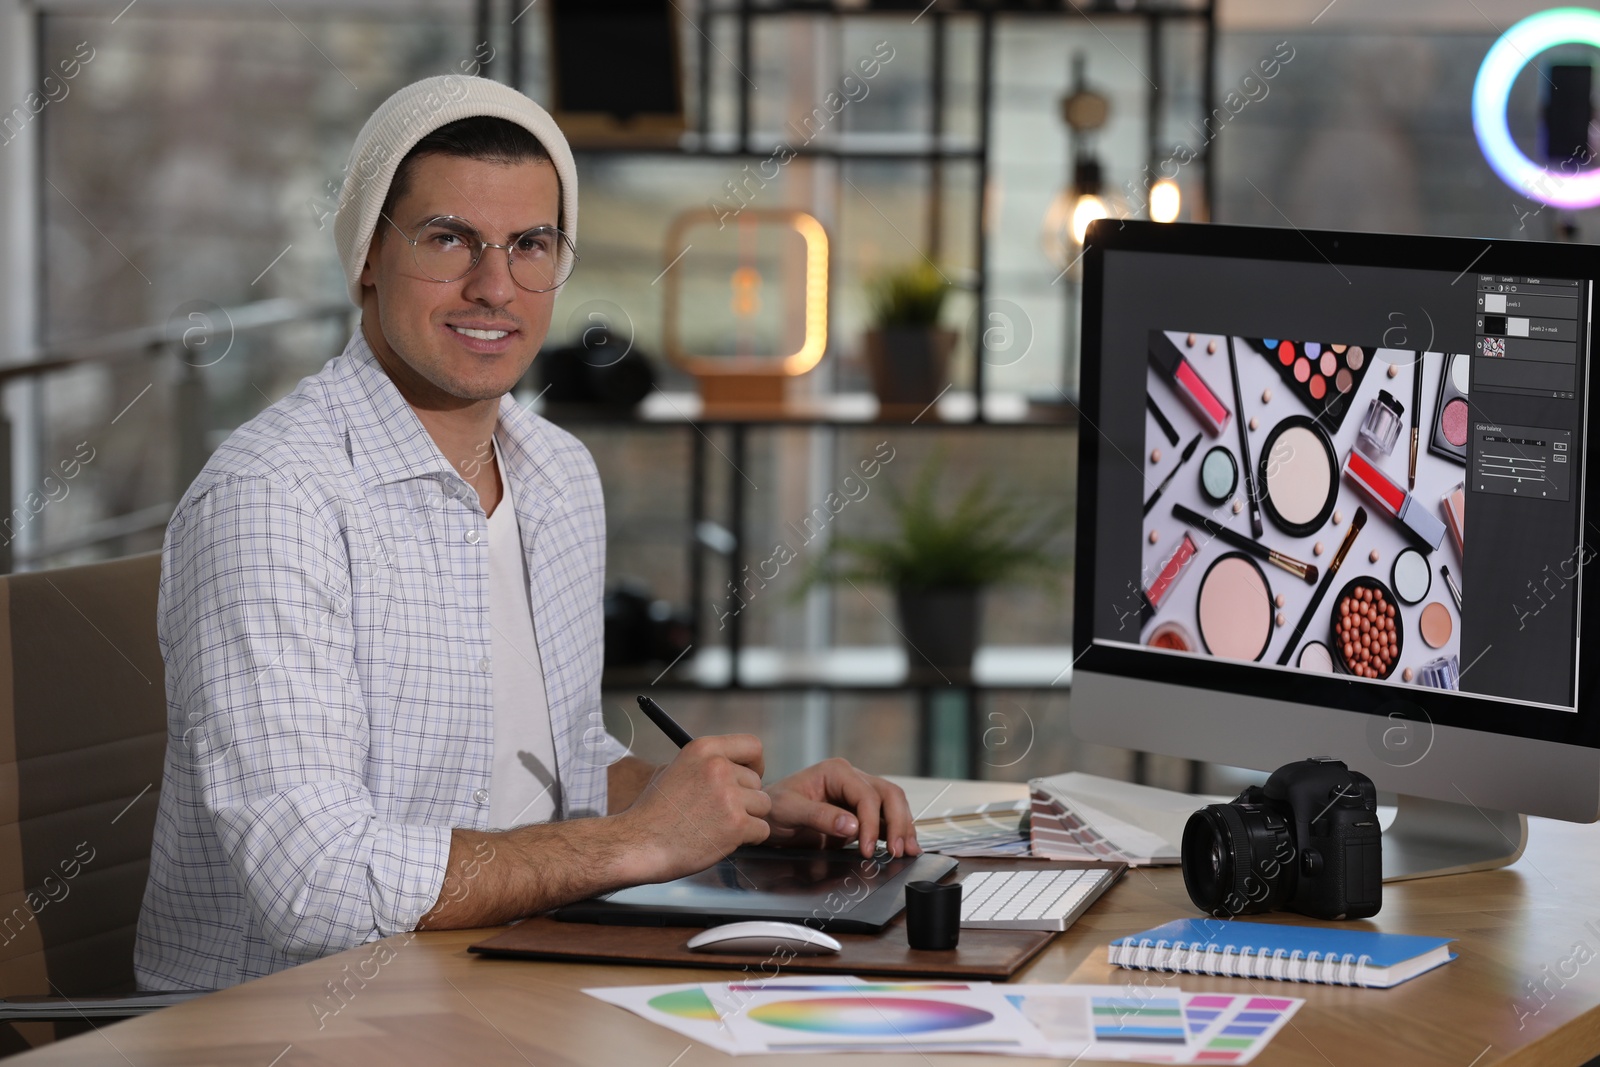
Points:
[1492,90]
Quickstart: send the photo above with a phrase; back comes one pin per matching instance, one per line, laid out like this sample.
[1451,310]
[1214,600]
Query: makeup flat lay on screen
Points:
[1312,458]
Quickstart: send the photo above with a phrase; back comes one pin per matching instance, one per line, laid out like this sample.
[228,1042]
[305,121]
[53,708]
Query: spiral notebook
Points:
[1288,953]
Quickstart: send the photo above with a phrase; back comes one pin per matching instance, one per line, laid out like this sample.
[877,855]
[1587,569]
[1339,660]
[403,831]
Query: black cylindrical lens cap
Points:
[933,915]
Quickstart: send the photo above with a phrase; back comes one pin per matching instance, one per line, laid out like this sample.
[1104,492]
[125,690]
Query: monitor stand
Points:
[1433,837]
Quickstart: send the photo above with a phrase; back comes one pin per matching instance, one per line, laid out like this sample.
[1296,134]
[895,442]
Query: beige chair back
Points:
[83,734]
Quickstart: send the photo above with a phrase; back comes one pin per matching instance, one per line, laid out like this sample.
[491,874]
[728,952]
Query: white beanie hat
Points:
[406,118]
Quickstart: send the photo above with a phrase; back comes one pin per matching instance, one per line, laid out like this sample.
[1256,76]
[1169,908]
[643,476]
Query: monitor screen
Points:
[1280,451]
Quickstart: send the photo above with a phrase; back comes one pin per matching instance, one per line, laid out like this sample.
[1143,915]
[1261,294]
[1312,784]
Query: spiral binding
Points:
[1246,961]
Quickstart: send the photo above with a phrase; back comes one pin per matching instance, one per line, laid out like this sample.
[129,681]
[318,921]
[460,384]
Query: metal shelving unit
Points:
[735,667]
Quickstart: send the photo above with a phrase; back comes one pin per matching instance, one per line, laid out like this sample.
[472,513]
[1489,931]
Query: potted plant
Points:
[938,563]
[908,354]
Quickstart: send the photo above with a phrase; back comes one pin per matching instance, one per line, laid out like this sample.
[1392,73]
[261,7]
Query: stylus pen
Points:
[675,733]
[1188,450]
[1416,420]
[1244,445]
[1356,523]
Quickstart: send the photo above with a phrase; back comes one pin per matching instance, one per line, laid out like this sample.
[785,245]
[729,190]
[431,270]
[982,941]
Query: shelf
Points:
[1095,8]
[885,146]
[850,667]
[953,409]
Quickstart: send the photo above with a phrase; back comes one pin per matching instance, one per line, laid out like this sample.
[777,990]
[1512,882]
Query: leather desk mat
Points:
[981,954]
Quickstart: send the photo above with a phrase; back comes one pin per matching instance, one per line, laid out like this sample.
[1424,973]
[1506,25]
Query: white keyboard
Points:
[1029,900]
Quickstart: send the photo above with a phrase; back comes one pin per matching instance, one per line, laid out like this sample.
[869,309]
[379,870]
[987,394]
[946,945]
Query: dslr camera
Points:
[1307,841]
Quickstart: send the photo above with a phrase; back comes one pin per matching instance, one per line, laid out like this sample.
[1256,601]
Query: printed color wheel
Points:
[869,1016]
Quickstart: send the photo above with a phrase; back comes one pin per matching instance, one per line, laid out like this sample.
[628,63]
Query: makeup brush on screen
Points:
[1250,493]
[1306,572]
[1416,420]
[1356,523]
[1188,450]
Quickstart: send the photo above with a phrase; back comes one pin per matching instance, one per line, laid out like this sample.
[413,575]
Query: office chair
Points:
[83,732]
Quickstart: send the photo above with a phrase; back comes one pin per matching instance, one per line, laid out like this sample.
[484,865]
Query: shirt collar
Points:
[388,443]
[386,440]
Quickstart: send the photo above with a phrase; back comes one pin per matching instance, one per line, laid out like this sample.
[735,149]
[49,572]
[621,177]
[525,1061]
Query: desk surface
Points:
[423,999]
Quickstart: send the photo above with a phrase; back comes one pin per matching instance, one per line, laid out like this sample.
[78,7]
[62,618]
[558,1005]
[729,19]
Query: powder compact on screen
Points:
[1219,475]
[1450,411]
[1315,657]
[1411,576]
[1368,629]
[1235,608]
[1436,625]
[1299,476]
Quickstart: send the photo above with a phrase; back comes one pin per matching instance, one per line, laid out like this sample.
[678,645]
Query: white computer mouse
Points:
[762,938]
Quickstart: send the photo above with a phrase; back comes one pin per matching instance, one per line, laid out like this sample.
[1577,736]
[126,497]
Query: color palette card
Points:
[1233,1029]
[1151,1023]
[913,1016]
[1108,1022]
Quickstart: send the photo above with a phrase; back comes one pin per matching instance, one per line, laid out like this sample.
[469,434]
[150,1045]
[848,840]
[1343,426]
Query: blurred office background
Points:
[168,250]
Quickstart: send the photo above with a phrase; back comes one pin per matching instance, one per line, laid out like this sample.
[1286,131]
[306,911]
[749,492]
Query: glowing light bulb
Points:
[1165,200]
[1088,208]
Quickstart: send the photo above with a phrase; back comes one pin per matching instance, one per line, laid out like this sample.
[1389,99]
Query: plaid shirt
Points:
[324,618]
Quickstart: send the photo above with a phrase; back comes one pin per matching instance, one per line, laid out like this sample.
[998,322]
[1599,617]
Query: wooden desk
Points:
[423,999]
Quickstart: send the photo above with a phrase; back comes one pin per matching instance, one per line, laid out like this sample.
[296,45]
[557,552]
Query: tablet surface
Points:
[836,890]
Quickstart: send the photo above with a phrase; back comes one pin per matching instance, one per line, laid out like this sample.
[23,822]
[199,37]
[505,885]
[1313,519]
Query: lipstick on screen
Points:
[1170,362]
[1177,564]
[1392,497]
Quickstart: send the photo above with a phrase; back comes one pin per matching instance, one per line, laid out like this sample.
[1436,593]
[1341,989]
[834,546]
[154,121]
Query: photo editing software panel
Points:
[1308,442]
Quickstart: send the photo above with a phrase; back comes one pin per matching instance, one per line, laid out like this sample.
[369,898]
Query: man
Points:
[381,608]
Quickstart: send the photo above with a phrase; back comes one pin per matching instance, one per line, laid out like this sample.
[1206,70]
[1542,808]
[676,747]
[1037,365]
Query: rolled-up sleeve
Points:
[257,624]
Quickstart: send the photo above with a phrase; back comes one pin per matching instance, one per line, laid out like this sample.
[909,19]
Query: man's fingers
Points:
[743,749]
[857,791]
[827,819]
[756,831]
[757,803]
[899,828]
[745,778]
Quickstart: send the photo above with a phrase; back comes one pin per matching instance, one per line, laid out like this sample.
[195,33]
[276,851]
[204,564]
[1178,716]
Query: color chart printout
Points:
[1152,1025]
[824,1017]
[828,1013]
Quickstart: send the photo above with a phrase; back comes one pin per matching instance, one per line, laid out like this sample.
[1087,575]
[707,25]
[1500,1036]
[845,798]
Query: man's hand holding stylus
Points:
[695,810]
[709,801]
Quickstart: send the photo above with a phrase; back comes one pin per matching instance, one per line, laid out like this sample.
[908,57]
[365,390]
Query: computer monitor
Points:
[1264,573]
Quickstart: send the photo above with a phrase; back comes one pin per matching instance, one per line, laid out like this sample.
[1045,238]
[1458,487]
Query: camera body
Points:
[1307,841]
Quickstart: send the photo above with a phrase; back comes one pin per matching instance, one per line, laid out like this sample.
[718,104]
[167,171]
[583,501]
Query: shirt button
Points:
[483,665]
[480,797]
[473,537]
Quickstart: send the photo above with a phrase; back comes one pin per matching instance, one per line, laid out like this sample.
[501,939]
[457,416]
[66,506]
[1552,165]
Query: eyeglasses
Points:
[447,248]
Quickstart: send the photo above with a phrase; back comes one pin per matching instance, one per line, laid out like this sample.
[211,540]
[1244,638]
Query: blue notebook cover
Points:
[1224,942]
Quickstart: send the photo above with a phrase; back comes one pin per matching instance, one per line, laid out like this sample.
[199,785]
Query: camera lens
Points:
[1237,859]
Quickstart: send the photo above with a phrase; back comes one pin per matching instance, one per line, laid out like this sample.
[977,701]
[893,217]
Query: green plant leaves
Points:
[908,297]
[985,539]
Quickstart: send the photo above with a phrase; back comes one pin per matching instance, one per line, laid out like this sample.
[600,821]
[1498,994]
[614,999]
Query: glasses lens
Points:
[541,259]
[447,249]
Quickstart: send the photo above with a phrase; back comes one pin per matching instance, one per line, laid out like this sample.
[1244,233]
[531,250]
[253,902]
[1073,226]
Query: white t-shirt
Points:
[522,785]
